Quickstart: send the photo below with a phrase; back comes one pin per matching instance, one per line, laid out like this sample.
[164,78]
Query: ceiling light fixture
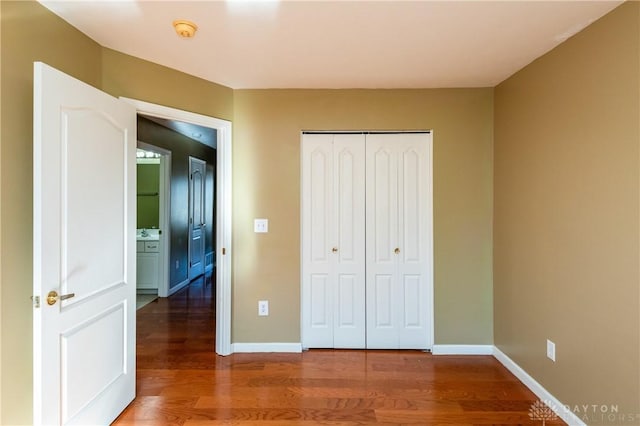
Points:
[184,28]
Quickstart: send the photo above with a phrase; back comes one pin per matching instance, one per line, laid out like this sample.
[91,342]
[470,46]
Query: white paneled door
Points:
[333,268]
[197,175]
[399,241]
[84,252]
[367,241]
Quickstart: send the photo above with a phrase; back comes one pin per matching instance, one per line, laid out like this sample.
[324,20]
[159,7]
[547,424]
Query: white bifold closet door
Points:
[367,252]
[333,241]
[399,241]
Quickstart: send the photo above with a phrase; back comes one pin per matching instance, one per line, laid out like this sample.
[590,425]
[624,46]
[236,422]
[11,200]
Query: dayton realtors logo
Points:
[596,414]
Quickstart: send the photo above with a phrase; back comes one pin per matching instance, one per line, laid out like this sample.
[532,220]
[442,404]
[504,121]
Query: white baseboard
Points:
[462,350]
[538,389]
[266,347]
[178,287]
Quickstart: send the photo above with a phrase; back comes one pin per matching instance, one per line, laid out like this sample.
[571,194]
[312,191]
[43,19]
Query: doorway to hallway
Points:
[223,186]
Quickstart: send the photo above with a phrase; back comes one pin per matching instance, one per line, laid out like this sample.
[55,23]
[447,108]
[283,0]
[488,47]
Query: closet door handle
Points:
[334,250]
[397,250]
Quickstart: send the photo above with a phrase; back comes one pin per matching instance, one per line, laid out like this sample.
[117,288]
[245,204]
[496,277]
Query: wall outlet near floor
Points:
[551,350]
[177,264]
[263,308]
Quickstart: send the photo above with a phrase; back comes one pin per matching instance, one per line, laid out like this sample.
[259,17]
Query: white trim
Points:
[178,287]
[462,350]
[266,347]
[430,242]
[535,387]
[223,209]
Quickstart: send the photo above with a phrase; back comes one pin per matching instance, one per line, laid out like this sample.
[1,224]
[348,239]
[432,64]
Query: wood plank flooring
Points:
[181,381]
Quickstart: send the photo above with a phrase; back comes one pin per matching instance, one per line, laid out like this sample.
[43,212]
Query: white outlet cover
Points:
[263,308]
[261,225]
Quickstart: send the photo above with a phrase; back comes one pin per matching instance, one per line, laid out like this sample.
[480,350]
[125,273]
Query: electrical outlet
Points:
[551,350]
[177,264]
[263,308]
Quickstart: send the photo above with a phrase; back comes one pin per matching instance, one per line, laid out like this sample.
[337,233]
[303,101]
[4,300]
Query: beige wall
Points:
[266,183]
[566,255]
[131,77]
[52,41]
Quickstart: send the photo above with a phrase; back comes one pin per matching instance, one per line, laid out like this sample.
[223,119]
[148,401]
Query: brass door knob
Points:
[397,250]
[53,297]
[334,250]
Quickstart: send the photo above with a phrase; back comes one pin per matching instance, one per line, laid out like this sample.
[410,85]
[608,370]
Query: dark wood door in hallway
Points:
[182,382]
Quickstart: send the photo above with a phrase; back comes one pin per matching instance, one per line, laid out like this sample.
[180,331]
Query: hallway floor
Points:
[180,380]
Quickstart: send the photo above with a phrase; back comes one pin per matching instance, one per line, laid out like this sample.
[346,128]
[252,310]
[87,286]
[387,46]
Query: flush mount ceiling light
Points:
[184,28]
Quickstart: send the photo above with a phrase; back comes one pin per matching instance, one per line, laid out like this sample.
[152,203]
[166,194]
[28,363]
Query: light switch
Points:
[261,225]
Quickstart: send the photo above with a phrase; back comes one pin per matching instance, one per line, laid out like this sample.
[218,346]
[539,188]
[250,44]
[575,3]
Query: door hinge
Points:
[36,301]
[224,251]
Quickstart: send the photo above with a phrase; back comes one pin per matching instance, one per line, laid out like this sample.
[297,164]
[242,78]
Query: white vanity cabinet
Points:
[148,265]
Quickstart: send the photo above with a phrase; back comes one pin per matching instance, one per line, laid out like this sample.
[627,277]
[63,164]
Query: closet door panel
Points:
[333,245]
[320,291]
[382,241]
[321,204]
[349,319]
[382,198]
[398,235]
[414,235]
[349,196]
[412,294]
[317,221]
[409,206]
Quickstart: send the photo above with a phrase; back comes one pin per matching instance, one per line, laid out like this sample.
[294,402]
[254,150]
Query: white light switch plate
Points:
[551,350]
[261,225]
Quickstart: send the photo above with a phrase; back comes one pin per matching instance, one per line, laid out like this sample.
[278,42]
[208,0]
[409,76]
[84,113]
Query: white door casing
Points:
[333,273]
[84,244]
[223,246]
[399,241]
[197,174]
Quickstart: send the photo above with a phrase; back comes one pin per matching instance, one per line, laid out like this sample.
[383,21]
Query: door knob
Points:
[335,249]
[397,250]
[53,297]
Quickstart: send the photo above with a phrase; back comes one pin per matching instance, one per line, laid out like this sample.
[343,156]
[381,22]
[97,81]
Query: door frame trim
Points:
[223,209]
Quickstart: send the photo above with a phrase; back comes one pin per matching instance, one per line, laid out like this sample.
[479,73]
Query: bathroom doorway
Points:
[153,168]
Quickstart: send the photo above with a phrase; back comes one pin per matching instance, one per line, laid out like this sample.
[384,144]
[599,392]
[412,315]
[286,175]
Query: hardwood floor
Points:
[182,382]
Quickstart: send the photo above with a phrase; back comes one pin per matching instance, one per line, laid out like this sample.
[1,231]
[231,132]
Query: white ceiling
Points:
[337,44]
